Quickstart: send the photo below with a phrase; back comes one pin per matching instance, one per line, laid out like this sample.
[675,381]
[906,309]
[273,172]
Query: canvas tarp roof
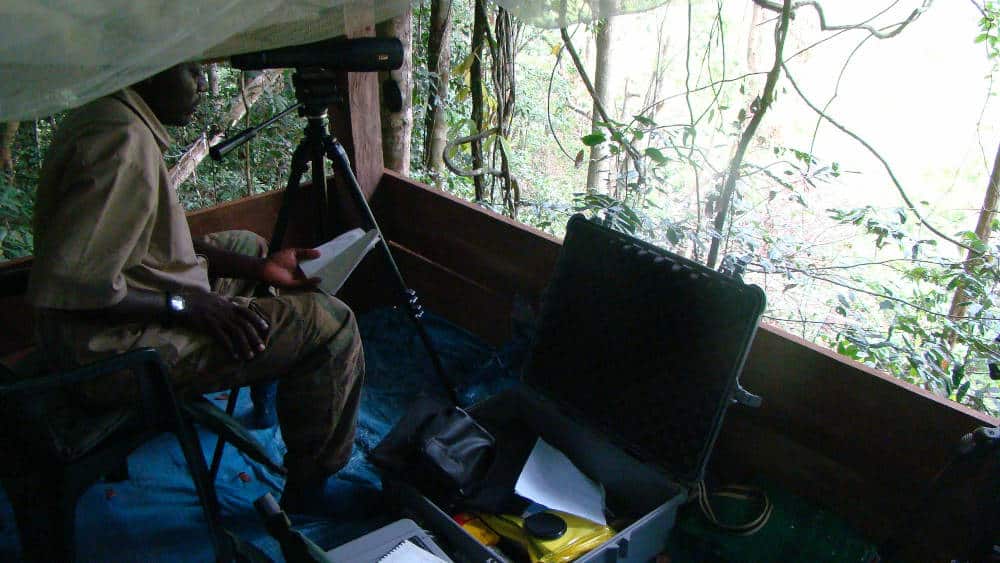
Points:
[56,54]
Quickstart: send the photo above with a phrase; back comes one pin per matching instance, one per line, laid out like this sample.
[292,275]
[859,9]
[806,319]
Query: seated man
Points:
[116,269]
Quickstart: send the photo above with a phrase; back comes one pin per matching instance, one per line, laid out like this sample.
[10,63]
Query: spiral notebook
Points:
[408,552]
[402,541]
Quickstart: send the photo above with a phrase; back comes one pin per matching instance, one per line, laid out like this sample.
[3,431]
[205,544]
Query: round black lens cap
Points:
[545,526]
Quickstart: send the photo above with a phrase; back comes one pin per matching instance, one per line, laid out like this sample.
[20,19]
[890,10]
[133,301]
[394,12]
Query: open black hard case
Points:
[636,359]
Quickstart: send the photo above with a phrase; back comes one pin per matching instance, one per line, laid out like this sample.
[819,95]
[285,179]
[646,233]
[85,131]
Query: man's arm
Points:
[226,264]
[280,269]
[238,328]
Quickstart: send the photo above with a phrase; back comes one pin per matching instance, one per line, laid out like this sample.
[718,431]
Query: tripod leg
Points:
[315,135]
[299,160]
[342,165]
[262,395]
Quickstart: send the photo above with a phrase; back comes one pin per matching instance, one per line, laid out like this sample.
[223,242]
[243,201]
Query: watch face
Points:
[176,303]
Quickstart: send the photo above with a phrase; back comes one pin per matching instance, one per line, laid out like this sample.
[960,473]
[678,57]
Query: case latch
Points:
[734,266]
[743,397]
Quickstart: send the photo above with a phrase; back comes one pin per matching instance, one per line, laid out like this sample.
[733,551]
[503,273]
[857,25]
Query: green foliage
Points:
[17,191]
[15,221]
[664,186]
[923,345]
[989,27]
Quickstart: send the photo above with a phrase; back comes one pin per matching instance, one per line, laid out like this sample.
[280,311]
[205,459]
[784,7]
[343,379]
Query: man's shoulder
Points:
[109,111]
[103,122]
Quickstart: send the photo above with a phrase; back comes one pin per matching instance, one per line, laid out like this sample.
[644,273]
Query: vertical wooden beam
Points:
[356,122]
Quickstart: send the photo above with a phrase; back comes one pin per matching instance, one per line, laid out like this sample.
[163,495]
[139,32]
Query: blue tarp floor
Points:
[154,516]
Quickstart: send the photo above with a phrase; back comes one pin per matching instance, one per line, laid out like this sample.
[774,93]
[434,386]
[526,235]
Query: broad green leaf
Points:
[464,66]
[593,139]
[673,236]
[656,155]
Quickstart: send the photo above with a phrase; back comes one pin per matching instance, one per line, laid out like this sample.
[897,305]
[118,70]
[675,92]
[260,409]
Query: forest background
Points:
[844,156]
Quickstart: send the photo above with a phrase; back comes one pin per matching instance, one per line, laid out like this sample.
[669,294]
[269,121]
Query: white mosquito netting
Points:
[56,54]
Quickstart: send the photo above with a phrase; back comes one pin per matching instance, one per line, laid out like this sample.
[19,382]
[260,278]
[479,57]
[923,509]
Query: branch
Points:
[982,10]
[879,295]
[693,132]
[758,114]
[807,321]
[631,150]
[877,33]
[699,89]
[888,169]
[548,104]
[887,262]
[483,170]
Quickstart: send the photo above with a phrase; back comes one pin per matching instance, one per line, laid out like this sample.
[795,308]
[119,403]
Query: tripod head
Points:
[315,89]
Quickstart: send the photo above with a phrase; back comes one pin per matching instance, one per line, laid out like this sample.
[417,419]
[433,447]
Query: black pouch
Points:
[439,449]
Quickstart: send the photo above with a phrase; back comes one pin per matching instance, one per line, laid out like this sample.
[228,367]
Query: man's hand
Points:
[281,269]
[239,329]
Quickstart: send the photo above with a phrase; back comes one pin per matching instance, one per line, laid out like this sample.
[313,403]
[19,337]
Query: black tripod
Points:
[315,93]
[316,146]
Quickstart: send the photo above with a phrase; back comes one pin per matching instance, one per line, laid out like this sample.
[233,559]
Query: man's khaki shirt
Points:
[107,220]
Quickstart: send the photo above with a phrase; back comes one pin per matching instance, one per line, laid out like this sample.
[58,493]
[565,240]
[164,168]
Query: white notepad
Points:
[550,479]
[408,552]
[338,258]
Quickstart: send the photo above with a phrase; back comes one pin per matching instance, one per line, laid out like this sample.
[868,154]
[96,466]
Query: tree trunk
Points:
[476,86]
[652,99]
[755,39]
[439,63]
[602,68]
[7,133]
[213,80]
[397,128]
[983,230]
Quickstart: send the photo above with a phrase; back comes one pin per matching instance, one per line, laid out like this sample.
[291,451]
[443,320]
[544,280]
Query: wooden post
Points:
[356,123]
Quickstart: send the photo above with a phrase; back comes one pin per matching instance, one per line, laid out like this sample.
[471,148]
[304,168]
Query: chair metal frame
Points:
[44,488]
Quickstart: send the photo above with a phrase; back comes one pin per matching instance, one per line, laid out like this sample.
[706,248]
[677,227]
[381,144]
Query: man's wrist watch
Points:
[176,305]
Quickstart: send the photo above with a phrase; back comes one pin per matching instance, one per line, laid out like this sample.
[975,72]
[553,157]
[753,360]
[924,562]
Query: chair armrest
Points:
[157,404]
[142,361]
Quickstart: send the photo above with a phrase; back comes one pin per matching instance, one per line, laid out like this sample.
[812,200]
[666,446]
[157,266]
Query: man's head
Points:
[174,93]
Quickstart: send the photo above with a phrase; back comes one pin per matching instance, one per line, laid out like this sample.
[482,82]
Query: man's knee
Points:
[309,321]
[339,325]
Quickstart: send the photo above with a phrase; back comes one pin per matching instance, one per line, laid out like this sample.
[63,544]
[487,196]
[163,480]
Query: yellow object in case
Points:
[477,529]
[580,536]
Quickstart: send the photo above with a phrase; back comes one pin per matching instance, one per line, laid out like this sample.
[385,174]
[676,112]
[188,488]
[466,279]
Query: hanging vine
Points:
[493,174]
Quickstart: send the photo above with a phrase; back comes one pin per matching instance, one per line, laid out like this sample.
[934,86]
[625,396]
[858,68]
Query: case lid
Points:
[643,344]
